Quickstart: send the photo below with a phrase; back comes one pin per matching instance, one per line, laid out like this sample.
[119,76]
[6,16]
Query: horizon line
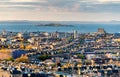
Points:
[60,21]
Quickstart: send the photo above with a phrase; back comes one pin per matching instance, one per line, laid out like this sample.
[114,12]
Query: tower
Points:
[75,34]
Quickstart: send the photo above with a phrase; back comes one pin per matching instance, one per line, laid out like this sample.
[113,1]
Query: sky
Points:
[60,10]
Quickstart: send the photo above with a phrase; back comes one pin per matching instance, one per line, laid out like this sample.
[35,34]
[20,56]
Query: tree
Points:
[44,57]
[10,59]
[81,56]
[23,59]
[87,62]
[60,50]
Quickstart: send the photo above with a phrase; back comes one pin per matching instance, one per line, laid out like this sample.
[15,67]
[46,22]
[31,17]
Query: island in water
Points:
[54,24]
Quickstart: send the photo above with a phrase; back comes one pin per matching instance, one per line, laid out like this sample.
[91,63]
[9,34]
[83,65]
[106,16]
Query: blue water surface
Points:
[81,28]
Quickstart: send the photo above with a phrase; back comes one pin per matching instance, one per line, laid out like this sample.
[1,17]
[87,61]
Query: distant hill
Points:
[53,24]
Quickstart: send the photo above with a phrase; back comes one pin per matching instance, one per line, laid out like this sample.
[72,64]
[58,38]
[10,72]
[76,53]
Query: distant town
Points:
[59,54]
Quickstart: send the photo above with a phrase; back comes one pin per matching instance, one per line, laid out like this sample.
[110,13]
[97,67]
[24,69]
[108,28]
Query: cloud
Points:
[22,0]
[109,0]
[26,0]
[60,7]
